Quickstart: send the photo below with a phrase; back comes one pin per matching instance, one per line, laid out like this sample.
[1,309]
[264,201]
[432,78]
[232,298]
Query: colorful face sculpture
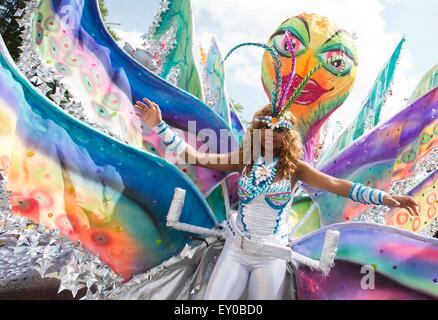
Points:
[315,39]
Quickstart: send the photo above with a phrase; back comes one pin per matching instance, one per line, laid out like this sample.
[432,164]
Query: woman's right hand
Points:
[151,113]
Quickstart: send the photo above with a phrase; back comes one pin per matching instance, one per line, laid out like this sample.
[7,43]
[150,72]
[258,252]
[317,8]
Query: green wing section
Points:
[427,83]
[170,41]
[214,82]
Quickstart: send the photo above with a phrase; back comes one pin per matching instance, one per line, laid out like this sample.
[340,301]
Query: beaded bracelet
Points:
[360,193]
[170,139]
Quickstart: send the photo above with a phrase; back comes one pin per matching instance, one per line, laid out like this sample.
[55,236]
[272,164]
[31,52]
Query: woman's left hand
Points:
[402,201]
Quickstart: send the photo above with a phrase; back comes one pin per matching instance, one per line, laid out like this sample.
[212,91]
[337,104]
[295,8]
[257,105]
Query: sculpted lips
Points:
[311,92]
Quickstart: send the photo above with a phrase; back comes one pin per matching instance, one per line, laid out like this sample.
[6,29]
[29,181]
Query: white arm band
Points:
[366,195]
[170,139]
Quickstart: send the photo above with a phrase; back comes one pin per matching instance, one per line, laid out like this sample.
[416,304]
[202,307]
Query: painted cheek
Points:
[341,86]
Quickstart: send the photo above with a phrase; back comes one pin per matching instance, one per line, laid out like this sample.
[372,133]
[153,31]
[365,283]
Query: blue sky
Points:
[418,20]
[379,25]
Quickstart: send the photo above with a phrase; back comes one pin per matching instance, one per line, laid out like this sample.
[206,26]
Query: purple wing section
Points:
[372,159]
[403,264]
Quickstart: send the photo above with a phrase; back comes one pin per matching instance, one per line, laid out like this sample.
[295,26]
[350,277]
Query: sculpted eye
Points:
[337,66]
[280,45]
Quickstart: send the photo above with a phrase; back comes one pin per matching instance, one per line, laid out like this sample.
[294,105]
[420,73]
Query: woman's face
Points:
[272,138]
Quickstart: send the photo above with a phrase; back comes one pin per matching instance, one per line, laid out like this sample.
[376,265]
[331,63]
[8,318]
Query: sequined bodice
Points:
[264,213]
[277,195]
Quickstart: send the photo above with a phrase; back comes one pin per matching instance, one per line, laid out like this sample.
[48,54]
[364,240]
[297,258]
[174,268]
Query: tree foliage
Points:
[238,106]
[104,13]
[10,30]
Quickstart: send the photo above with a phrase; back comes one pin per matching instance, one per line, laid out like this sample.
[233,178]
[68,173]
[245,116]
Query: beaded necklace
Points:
[262,175]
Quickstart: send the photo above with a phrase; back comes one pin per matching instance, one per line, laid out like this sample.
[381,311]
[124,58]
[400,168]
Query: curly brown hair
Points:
[292,149]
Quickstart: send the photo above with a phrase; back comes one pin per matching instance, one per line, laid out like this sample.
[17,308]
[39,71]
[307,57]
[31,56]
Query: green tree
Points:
[10,30]
[238,106]
[104,12]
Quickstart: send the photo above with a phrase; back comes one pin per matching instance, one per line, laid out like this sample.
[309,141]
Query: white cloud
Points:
[132,37]
[233,22]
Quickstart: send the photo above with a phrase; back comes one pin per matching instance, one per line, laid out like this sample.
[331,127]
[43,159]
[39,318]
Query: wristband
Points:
[170,139]
[360,193]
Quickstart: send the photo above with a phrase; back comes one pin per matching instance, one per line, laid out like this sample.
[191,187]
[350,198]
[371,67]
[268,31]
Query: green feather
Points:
[306,79]
[275,93]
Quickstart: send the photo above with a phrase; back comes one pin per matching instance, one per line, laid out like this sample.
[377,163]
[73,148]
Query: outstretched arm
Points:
[315,178]
[151,114]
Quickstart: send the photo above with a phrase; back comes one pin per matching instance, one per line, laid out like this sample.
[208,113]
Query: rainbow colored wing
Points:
[373,159]
[304,216]
[66,175]
[403,265]
[426,195]
[107,81]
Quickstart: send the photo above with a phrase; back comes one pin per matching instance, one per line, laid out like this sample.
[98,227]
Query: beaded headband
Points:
[274,122]
[279,94]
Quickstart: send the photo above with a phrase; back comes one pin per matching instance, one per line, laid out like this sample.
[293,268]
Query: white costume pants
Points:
[235,269]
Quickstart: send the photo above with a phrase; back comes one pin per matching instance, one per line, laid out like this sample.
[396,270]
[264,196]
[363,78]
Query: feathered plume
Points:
[306,79]
[277,68]
[288,87]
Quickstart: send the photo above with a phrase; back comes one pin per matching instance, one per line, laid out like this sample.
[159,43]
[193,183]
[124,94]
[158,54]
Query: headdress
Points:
[279,93]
